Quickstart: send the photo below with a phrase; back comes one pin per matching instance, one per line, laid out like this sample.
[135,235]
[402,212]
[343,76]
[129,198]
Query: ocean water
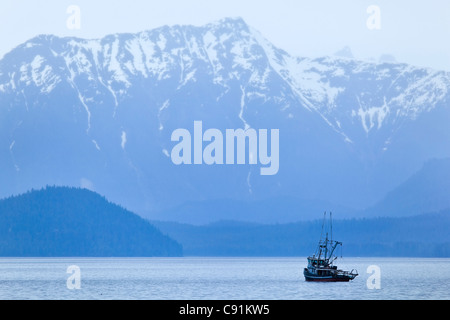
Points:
[218,279]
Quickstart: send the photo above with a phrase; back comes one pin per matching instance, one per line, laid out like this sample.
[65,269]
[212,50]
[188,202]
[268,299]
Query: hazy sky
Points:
[414,31]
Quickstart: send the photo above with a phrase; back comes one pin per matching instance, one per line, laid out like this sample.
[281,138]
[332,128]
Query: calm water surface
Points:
[218,279]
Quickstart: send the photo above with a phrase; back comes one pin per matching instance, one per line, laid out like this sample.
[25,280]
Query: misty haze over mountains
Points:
[100,113]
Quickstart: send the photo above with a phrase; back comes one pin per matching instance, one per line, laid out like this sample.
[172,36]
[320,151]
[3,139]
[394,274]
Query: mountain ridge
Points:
[101,112]
[134,45]
[426,190]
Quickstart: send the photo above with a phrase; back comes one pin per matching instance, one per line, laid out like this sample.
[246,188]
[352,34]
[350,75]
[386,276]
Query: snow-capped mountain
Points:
[100,114]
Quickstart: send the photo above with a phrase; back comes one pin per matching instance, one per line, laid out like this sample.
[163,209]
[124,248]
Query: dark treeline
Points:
[419,236]
[70,222]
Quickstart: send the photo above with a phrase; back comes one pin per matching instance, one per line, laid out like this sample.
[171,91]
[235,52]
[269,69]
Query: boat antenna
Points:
[331,226]
[323,223]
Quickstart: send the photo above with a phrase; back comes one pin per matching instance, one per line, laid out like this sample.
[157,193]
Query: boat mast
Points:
[323,244]
[320,247]
[331,239]
[331,227]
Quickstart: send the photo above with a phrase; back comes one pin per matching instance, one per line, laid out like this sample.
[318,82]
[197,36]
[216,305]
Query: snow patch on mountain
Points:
[38,73]
[114,65]
[372,116]
[96,145]
[165,105]
[241,113]
[123,140]
[138,63]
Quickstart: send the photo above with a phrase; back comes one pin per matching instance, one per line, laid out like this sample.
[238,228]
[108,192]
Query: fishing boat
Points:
[321,264]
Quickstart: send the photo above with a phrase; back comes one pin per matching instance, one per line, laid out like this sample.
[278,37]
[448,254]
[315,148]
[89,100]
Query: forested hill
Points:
[71,222]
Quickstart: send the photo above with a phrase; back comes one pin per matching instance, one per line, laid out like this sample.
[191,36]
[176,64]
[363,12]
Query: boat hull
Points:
[328,278]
